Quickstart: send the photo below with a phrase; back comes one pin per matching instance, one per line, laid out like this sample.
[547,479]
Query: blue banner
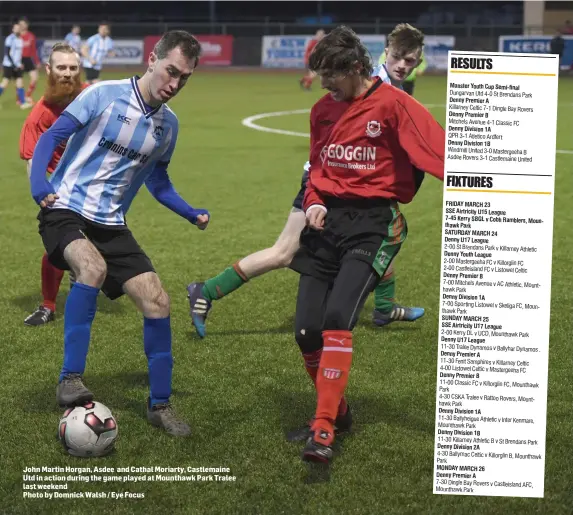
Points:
[536,45]
[288,51]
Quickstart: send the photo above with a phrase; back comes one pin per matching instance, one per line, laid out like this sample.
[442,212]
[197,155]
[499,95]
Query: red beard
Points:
[60,93]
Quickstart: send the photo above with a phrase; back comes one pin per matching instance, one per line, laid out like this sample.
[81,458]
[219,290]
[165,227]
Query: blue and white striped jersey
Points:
[98,50]
[16,45]
[75,41]
[381,71]
[120,142]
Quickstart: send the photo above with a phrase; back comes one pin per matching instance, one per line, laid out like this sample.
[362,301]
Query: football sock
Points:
[224,283]
[51,279]
[31,89]
[157,346]
[332,376]
[81,306]
[1,90]
[384,294]
[311,363]
[21,97]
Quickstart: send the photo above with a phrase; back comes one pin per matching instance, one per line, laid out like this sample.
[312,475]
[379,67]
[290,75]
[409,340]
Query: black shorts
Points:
[29,64]
[9,72]
[122,254]
[92,74]
[367,230]
[297,203]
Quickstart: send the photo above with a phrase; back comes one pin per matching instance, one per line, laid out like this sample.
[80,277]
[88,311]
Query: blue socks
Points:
[157,345]
[21,96]
[80,311]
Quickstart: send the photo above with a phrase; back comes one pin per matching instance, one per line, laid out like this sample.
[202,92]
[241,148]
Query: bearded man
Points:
[64,85]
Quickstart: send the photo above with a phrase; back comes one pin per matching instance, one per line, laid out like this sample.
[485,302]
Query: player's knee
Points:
[284,252]
[160,303]
[308,340]
[336,319]
[93,273]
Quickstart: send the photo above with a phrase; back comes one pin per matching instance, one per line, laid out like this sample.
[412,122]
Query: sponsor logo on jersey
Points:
[348,153]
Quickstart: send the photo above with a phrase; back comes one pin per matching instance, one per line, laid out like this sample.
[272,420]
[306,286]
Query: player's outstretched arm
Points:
[41,189]
[421,136]
[160,186]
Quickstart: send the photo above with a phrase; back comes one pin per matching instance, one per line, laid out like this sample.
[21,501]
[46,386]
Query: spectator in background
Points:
[30,59]
[306,81]
[96,49]
[74,39]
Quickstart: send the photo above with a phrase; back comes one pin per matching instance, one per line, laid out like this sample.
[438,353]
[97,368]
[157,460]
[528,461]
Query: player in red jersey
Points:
[358,176]
[30,59]
[306,81]
[64,85]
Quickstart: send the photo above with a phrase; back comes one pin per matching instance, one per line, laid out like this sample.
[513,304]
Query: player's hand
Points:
[43,193]
[200,218]
[202,222]
[50,200]
[315,216]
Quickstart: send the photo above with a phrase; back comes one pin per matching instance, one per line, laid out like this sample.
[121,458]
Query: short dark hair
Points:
[405,39]
[190,47]
[339,51]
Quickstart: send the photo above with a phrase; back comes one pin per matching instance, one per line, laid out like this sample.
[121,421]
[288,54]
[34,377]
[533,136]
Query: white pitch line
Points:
[250,123]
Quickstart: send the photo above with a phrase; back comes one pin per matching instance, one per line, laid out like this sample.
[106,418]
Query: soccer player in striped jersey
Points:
[97,48]
[74,39]
[391,54]
[12,67]
[120,135]
[404,49]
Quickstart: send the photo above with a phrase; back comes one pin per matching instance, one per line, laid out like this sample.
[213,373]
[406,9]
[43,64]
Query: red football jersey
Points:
[41,118]
[371,146]
[29,46]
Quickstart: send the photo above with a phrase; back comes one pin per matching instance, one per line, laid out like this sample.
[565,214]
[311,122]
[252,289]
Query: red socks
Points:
[311,363]
[51,279]
[31,89]
[332,377]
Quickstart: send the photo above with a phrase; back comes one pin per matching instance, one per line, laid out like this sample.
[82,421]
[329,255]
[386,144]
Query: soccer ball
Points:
[88,431]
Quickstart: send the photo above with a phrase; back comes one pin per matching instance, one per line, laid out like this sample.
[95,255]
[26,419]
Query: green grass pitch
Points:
[244,386]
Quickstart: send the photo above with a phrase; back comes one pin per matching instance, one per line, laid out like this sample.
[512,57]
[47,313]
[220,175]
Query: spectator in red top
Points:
[30,59]
[567,28]
[306,81]
[358,176]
